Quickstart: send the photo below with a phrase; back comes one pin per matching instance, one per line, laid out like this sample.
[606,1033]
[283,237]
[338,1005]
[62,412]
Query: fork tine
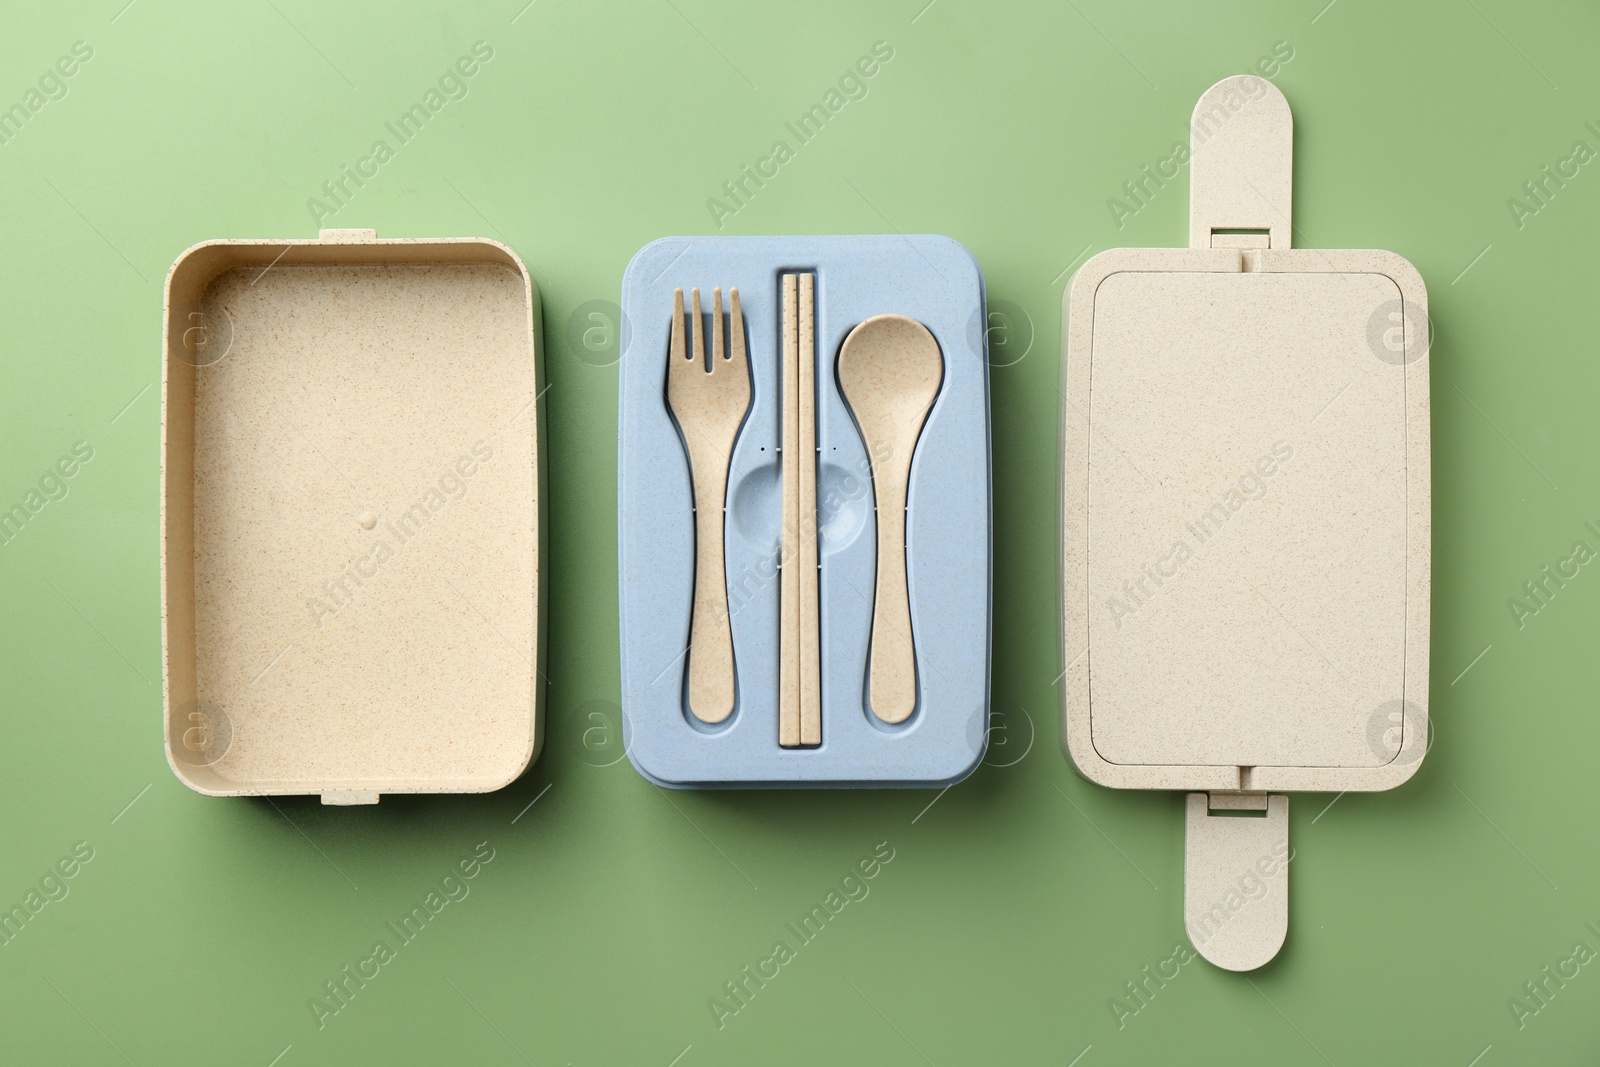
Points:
[717,350]
[736,352]
[699,353]
[677,350]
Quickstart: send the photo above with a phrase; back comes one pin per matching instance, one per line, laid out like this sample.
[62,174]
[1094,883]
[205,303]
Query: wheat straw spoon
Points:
[890,371]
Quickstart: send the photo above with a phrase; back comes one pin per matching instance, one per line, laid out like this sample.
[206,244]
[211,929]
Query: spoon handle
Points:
[892,689]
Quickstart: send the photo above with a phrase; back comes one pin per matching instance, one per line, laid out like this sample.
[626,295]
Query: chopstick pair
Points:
[799,633]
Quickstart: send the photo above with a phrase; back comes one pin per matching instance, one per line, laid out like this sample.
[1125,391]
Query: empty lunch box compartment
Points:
[351,517]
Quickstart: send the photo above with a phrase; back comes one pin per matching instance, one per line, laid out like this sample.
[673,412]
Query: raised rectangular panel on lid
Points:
[1247,519]
[350,517]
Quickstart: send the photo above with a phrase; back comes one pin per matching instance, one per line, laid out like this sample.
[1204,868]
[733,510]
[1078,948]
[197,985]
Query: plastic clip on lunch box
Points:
[351,519]
[933,280]
[1245,521]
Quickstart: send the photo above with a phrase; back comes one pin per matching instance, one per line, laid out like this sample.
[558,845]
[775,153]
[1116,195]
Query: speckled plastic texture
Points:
[929,278]
[1280,391]
[350,517]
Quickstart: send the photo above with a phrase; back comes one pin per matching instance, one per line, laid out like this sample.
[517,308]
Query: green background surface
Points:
[1015,907]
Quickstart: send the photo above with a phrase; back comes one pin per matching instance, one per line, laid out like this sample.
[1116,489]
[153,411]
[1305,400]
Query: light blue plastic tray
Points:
[932,279]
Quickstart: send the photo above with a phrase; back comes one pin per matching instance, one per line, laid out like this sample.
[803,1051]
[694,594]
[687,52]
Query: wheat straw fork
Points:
[709,402]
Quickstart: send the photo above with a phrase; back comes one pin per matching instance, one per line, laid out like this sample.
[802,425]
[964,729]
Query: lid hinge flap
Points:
[1236,877]
[1241,166]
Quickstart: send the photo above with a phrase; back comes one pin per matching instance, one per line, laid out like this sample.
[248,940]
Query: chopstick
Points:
[789,570]
[810,633]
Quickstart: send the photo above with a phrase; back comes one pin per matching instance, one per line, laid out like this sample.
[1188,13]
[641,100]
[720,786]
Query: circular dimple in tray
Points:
[931,279]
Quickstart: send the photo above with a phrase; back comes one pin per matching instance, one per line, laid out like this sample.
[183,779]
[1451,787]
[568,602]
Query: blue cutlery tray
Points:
[932,279]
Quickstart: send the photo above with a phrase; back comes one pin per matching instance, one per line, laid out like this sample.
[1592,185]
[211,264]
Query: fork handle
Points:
[711,680]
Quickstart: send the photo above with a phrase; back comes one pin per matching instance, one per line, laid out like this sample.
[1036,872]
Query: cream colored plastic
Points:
[810,650]
[350,517]
[789,458]
[799,632]
[708,400]
[890,370]
[1236,877]
[1245,510]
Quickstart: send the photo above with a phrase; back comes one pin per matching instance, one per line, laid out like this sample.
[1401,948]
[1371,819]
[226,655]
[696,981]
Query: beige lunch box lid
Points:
[1245,519]
[351,517]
